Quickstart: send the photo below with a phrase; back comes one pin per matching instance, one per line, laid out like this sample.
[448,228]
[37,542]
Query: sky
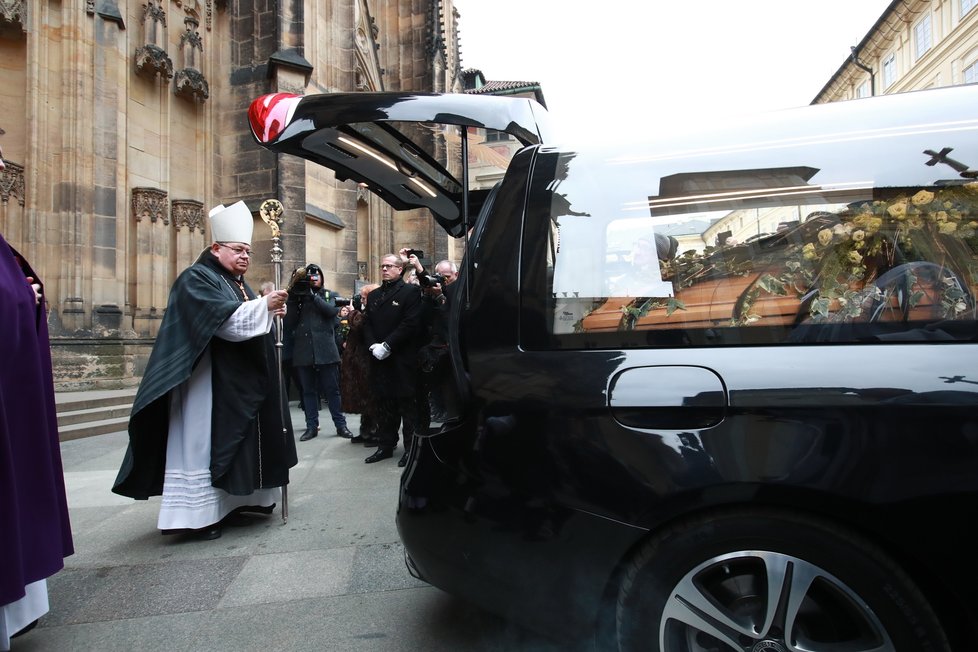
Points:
[669,62]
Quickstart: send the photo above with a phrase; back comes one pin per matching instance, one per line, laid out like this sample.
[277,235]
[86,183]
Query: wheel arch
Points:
[816,506]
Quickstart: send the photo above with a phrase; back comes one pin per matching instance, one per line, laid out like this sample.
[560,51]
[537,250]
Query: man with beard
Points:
[207,430]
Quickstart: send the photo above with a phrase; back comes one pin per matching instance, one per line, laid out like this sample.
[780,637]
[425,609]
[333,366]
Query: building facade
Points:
[126,120]
[915,44]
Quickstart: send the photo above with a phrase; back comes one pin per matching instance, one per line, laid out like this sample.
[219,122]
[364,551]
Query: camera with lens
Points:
[299,285]
[430,280]
[414,252]
[340,302]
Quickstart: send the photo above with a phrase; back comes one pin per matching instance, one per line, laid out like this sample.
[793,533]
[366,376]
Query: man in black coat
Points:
[391,330]
[310,323]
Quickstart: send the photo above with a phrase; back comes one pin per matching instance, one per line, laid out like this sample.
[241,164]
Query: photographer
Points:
[310,322]
[433,352]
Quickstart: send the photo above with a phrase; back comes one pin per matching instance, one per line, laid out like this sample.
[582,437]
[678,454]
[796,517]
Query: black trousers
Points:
[392,413]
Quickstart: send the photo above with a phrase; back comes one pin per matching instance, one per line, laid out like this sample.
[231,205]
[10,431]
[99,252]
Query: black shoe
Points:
[255,509]
[403,460]
[344,432]
[208,533]
[26,629]
[357,440]
[381,453]
[309,434]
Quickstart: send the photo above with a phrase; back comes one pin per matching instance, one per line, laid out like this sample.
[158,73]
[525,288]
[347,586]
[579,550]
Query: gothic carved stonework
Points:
[191,84]
[362,193]
[14,12]
[435,41]
[152,59]
[150,202]
[189,81]
[188,213]
[367,72]
[12,183]
[193,6]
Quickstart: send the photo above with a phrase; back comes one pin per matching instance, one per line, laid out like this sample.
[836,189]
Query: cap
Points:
[232,223]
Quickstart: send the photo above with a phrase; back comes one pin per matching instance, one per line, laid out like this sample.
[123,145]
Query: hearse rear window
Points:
[873,240]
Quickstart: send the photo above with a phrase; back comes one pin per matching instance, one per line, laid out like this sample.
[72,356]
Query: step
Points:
[93,412]
[83,400]
[74,417]
[92,428]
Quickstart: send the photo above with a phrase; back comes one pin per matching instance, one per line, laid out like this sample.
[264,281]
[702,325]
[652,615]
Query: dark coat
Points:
[394,316]
[35,534]
[354,370]
[310,322]
[248,400]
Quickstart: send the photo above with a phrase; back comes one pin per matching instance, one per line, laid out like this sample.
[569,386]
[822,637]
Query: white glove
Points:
[380,350]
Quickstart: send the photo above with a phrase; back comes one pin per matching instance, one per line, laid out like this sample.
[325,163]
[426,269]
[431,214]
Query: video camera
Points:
[430,280]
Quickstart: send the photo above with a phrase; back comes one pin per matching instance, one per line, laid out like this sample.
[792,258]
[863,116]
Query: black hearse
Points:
[716,390]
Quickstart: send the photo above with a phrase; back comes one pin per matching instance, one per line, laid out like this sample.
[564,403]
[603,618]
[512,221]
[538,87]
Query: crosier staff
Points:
[271,213]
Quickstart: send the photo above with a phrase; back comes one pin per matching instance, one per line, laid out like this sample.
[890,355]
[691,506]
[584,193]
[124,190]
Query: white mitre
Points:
[231,223]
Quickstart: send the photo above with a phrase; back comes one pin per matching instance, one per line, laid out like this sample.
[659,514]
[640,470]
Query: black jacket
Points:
[310,324]
[394,316]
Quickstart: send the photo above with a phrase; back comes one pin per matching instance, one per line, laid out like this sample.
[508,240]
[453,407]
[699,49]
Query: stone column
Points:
[149,278]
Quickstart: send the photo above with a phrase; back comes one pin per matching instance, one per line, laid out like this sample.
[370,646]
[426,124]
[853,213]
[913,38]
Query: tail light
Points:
[269,115]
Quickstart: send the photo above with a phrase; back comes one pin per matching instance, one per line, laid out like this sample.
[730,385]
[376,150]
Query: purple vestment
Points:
[35,535]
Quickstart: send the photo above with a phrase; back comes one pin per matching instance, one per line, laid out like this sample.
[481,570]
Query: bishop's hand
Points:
[276,302]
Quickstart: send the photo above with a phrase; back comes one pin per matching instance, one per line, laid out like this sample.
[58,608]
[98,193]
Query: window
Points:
[770,247]
[493,136]
[922,37]
[967,5]
[971,73]
[862,90]
[889,71]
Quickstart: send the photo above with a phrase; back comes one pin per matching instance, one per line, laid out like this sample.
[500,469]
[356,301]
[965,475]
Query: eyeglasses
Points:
[385,266]
[237,251]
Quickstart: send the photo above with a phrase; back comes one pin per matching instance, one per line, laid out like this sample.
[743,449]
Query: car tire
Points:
[702,586]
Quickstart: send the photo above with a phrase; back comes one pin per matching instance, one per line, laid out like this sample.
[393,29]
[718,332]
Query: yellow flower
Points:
[947,227]
[874,225]
[922,197]
[858,236]
[898,210]
[825,237]
[808,252]
[940,216]
[855,257]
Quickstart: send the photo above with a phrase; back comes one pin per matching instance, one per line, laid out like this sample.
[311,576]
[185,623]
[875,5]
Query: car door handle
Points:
[667,397]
